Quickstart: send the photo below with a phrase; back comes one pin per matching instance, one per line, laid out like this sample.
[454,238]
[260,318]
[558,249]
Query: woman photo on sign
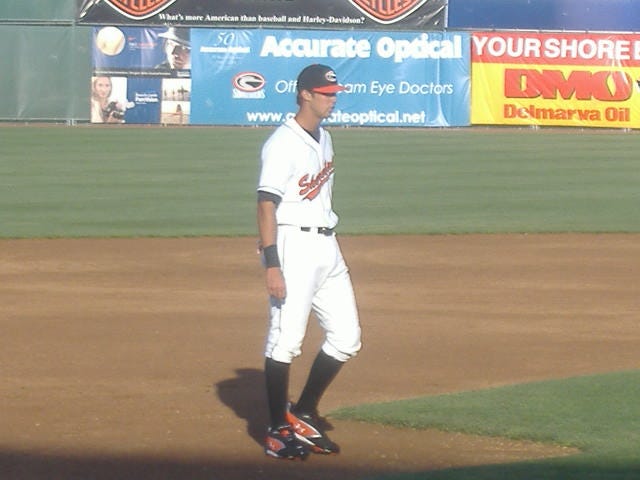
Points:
[103,108]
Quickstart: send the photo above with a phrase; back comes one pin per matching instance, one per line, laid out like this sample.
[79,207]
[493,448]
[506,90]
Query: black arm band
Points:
[271,256]
[269,197]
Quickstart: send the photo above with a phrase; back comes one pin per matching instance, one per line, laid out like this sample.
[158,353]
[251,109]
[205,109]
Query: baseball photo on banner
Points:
[556,79]
[155,65]
[409,79]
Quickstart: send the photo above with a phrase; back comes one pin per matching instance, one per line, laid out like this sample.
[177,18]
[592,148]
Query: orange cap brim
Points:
[329,89]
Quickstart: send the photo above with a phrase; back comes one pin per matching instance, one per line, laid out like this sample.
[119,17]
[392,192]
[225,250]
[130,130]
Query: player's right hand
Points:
[275,283]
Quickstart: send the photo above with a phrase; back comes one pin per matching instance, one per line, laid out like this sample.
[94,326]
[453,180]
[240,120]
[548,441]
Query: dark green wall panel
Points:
[46,75]
[42,10]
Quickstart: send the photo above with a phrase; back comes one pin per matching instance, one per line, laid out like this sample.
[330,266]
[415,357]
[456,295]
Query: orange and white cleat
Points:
[281,442]
[306,429]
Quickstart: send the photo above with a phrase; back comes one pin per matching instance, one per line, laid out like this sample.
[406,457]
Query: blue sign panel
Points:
[579,15]
[408,79]
[145,96]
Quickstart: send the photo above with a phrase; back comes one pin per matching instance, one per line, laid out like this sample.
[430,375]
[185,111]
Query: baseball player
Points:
[305,269]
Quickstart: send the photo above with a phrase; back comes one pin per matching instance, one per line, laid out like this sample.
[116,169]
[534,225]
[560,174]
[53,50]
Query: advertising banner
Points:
[306,14]
[248,77]
[141,75]
[556,79]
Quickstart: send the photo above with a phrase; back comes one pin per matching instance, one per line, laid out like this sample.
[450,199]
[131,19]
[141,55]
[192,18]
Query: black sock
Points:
[277,381]
[323,371]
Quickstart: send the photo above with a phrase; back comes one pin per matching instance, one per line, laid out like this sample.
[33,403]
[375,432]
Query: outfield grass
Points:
[486,181]
[154,181]
[599,414]
[68,182]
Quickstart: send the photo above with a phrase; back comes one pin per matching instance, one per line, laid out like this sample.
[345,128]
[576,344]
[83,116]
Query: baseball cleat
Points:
[281,442]
[308,432]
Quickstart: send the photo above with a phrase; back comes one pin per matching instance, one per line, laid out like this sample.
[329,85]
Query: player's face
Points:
[322,103]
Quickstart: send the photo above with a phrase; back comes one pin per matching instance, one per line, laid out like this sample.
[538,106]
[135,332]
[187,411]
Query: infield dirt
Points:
[142,358]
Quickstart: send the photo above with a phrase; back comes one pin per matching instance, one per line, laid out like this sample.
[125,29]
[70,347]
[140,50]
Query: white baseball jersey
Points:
[300,171]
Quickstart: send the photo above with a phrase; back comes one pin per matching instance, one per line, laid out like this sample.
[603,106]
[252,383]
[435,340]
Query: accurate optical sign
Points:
[247,77]
[420,46]
[556,79]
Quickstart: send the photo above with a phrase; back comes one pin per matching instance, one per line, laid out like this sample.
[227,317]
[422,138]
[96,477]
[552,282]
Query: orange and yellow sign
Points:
[555,79]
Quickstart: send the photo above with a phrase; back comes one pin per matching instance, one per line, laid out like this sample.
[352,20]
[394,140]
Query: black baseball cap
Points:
[180,35]
[319,78]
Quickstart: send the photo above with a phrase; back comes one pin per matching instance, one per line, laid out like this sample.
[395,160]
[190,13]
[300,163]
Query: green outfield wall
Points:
[45,72]
[37,10]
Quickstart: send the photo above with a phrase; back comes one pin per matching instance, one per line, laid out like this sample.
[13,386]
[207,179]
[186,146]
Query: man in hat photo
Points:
[304,268]
[177,48]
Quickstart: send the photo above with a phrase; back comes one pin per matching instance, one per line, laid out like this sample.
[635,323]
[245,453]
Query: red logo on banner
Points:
[606,86]
[388,11]
[248,81]
[139,9]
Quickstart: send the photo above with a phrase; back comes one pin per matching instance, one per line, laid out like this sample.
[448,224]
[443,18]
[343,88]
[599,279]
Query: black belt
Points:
[319,230]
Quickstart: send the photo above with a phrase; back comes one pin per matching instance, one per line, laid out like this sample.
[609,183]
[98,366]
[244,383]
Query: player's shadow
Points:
[245,394]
